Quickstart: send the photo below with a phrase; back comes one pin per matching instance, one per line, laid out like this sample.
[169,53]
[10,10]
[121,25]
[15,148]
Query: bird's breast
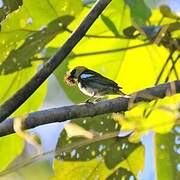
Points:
[88,90]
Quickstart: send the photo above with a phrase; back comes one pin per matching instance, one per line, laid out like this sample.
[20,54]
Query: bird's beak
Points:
[69,79]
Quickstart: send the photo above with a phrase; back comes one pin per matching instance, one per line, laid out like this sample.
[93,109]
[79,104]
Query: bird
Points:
[92,83]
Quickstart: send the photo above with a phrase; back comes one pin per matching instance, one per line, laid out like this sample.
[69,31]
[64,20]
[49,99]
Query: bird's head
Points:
[73,74]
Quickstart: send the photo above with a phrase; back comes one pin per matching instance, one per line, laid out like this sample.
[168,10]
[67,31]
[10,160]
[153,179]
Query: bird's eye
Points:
[73,72]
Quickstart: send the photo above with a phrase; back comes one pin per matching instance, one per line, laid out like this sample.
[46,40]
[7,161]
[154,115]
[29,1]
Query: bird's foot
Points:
[88,101]
[98,100]
[91,101]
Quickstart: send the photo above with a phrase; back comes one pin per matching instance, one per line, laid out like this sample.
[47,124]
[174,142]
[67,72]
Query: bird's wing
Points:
[92,76]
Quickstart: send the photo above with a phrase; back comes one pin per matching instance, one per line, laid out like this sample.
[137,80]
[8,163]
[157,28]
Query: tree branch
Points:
[9,106]
[120,104]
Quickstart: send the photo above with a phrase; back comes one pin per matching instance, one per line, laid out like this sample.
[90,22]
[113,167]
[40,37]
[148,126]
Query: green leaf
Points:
[105,145]
[12,82]
[121,173]
[167,154]
[105,62]
[10,147]
[60,72]
[24,34]
[166,12]
[21,57]
[110,25]
[133,69]
[140,12]
[76,170]
[96,168]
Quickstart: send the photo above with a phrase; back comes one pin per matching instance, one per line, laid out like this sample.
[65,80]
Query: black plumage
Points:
[101,85]
[92,83]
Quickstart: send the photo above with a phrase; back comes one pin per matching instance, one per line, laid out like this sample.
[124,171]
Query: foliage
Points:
[11,147]
[102,145]
[132,43]
[24,34]
[167,154]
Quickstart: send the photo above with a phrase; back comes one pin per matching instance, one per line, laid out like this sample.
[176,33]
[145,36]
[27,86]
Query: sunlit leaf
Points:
[12,82]
[96,168]
[22,57]
[10,147]
[73,129]
[26,31]
[161,118]
[105,62]
[76,170]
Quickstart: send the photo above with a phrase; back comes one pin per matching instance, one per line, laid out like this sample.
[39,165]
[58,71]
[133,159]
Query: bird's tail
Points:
[121,93]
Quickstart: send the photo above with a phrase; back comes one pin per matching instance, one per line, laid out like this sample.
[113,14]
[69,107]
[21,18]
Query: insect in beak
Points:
[69,80]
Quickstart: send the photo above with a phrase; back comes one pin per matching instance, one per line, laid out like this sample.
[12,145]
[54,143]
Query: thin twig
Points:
[163,68]
[99,36]
[9,106]
[111,50]
[145,113]
[173,68]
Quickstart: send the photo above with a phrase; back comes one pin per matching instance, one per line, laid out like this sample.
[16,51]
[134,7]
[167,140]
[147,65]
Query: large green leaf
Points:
[26,31]
[106,148]
[10,147]
[76,96]
[140,12]
[96,168]
[138,68]
[110,25]
[12,82]
[133,69]
[167,154]
[22,56]
[104,62]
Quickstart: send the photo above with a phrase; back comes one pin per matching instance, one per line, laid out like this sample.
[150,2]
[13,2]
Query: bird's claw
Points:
[88,102]
[98,100]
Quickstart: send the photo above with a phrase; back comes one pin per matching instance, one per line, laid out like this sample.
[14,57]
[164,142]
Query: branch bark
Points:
[9,106]
[120,104]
